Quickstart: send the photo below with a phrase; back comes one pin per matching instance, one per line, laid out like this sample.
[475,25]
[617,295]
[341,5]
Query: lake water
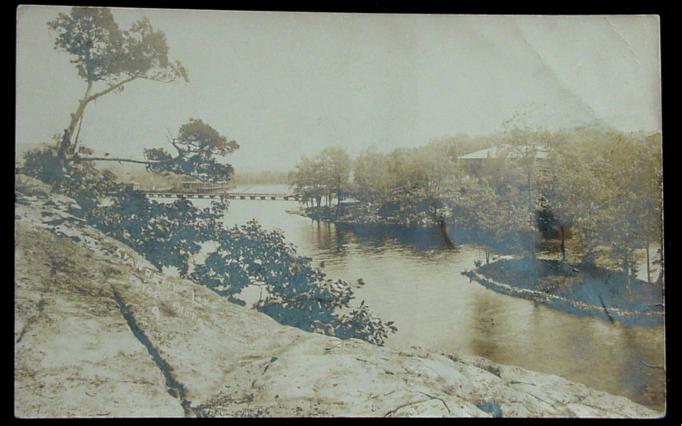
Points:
[411,278]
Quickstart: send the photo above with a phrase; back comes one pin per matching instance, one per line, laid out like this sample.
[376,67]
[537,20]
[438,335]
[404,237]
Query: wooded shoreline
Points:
[610,310]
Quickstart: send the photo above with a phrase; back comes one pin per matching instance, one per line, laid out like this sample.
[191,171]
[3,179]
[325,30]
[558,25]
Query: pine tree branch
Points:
[111,88]
[121,160]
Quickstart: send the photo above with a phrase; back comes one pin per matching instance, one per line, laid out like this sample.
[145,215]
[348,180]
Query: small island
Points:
[583,290]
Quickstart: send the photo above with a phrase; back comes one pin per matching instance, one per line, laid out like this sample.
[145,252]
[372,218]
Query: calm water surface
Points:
[413,279]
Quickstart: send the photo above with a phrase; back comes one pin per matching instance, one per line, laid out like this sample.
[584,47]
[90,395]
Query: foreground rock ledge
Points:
[99,333]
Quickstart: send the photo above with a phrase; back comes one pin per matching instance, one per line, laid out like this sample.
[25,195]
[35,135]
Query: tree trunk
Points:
[338,202]
[530,209]
[65,143]
[648,270]
[660,278]
[563,243]
[74,150]
[626,267]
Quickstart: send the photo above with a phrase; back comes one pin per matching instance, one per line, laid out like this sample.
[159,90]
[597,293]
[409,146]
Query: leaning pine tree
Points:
[108,58]
[170,235]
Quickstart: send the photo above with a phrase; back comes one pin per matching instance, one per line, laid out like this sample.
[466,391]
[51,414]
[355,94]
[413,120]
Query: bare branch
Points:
[111,88]
[158,79]
[181,151]
[123,160]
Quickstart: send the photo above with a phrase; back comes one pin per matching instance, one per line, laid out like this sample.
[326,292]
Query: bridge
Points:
[224,195]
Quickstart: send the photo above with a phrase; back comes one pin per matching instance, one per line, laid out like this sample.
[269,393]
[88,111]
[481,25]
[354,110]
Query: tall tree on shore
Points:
[307,181]
[561,193]
[655,182]
[325,176]
[437,174]
[525,146]
[371,179]
[632,178]
[108,58]
[336,165]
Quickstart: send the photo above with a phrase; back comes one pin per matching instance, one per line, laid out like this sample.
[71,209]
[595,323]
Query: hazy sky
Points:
[287,84]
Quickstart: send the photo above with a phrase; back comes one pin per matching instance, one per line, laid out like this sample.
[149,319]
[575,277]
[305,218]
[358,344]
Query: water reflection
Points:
[328,239]
[421,241]
[413,279]
[486,336]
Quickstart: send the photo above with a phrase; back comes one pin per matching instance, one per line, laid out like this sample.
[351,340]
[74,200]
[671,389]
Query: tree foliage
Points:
[197,145]
[599,190]
[169,235]
[101,51]
[70,179]
[297,293]
[107,56]
[322,178]
[172,235]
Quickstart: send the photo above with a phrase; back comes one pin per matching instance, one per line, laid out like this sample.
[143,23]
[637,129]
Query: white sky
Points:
[287,84]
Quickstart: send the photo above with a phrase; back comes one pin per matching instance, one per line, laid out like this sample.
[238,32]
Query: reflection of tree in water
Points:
[644,362]
[328,238]
[583,351]
[604,356]
[487,333]
[421,241]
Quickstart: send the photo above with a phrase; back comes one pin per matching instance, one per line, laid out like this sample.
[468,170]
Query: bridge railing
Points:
[224,195]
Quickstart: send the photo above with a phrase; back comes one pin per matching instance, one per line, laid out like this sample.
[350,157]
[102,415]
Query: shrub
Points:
[167,234]
[297,294]
[81,181]
[171,234]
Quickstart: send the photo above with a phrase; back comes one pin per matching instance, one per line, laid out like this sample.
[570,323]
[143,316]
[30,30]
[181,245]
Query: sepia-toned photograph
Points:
[309,214]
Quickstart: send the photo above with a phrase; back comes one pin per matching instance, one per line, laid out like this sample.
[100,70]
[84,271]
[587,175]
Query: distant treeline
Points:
[601,189]
[260,178]
[146,180]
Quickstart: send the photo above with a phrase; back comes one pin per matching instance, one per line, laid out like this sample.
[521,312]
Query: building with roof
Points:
[506,151]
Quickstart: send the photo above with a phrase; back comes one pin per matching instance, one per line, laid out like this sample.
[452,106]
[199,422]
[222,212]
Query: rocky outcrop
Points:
[100,333]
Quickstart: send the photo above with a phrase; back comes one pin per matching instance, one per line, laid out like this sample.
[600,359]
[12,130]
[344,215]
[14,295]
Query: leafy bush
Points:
[171,235]
[81,181]
[360,322]
[297,294]
[197,145]
[167,234]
